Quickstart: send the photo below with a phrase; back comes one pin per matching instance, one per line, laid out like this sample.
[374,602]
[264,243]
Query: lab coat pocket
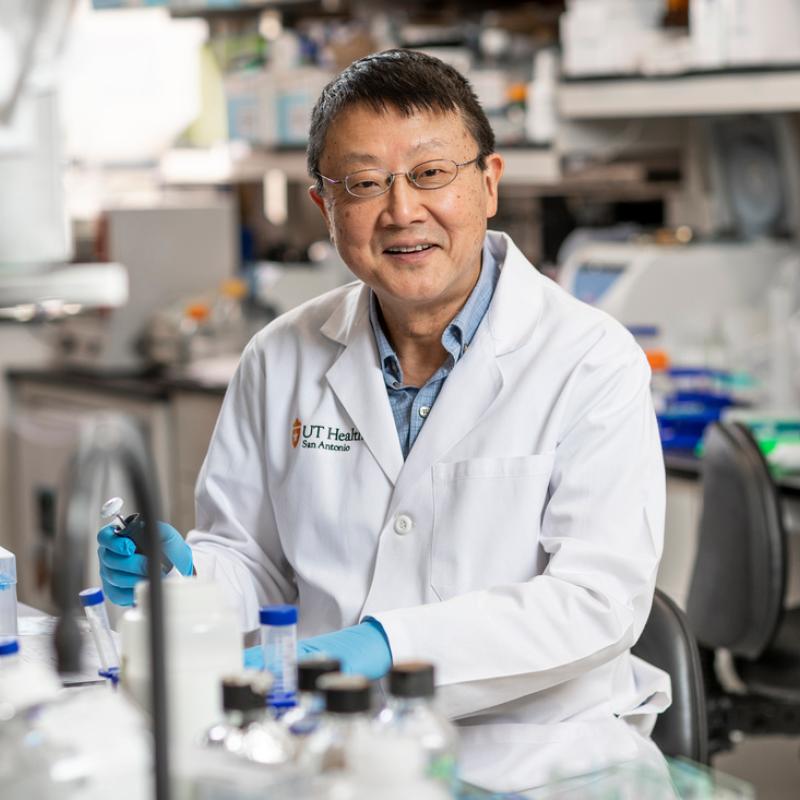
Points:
[487,513]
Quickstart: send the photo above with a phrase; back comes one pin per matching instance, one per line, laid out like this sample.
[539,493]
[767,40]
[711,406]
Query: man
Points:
[449,459]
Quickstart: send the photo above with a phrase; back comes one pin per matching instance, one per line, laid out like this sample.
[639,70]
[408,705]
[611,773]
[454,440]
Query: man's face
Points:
[450,221]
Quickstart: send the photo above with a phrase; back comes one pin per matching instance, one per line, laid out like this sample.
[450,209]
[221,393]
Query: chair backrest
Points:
[737,588]
[667,643]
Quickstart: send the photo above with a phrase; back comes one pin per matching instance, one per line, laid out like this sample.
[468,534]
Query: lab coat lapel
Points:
[357,381]
[466,396]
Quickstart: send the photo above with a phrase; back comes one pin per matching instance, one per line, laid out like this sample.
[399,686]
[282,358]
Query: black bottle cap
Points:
[412,679]
[345,694]
[245,691]
[309,670]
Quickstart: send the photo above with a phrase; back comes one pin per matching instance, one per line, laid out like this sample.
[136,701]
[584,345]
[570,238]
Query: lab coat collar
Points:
[512,315]
[357,380]
[518,298]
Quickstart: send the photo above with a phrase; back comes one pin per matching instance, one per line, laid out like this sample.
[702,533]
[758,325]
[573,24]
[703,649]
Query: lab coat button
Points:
[403,524]
[424,411]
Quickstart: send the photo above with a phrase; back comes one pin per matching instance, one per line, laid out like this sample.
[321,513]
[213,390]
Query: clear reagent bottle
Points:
[410,711]
[348,715]
[303,719]
[247,730]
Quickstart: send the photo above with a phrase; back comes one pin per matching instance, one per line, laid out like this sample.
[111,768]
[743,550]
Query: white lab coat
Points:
[517,545]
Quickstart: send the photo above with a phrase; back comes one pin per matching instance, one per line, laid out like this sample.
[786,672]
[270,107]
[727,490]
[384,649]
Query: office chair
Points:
[736,597]
[667,643]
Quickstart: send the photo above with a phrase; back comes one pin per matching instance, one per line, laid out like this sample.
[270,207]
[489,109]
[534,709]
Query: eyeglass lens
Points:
[430,175]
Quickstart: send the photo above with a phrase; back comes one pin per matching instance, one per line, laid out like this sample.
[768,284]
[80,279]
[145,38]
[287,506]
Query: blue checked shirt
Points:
[411,405]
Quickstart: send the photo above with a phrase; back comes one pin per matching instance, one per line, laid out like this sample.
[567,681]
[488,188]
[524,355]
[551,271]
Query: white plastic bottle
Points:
[410,712]
[203,644]
[279,640]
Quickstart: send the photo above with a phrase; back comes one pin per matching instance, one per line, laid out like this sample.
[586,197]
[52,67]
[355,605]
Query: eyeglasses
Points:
[373,182]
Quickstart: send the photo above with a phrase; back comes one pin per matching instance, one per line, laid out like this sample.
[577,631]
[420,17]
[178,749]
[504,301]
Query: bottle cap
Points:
[278,615]
[91,597]
[345,694]
[310,670]
[412,679]
[246,691]
[8,646]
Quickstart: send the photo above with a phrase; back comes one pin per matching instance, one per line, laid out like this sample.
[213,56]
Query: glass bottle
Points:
[303,719]
[410,712]
[347,716]
[247,730]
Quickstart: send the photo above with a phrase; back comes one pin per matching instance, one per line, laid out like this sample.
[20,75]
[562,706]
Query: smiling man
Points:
[449,459]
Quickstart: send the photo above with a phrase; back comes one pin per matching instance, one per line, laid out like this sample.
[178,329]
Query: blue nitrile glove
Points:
[363,649]
[121,567]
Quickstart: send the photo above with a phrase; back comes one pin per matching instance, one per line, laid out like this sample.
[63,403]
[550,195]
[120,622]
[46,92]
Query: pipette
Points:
[132,527]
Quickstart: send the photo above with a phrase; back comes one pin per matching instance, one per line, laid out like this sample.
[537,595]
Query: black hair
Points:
[407,81]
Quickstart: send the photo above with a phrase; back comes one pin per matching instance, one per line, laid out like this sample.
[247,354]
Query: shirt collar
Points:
[458,334]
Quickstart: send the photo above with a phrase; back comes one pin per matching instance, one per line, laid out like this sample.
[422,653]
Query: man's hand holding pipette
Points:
[121,567]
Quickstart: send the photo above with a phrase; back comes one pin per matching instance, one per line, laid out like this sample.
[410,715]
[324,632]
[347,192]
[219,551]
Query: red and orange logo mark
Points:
[297,428]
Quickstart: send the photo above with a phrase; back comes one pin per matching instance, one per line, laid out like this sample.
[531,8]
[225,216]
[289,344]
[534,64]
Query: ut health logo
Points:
[323,437]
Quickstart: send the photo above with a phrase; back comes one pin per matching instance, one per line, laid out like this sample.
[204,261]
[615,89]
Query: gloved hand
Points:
[121,567]
[363,649]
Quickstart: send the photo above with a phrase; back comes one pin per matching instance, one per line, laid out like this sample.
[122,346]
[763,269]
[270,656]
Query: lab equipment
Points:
[8,593]
[348,703]
[203,644]
[200,246]
[121,567]
[279,640]
[363,649]
[247,730]
[687,291]
[410,712]
[131,527]
[93,603]
[304,718]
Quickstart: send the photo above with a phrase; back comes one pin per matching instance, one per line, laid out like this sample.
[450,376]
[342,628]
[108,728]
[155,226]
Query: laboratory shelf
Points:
[222,10]
[741,91]
[525,165]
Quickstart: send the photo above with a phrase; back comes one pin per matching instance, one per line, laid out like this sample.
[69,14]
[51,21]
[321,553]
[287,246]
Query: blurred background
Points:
[154,215]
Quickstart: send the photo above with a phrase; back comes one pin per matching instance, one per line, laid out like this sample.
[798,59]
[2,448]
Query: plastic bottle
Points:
[93,603]
[303,719]
[247,731]
[203,644]
[8,593]
[410,712]
[348,703]
[279,640]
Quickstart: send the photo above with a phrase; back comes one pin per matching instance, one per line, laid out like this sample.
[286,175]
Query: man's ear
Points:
[319,202]
[492,174]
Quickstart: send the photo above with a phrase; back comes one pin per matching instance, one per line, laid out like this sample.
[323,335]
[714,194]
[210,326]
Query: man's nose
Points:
[404,202]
